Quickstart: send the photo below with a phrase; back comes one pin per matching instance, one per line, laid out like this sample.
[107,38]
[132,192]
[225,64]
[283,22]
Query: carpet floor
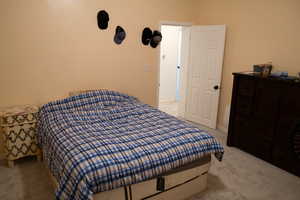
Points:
[239,176]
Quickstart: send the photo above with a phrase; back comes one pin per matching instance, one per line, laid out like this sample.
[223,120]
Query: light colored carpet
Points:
[239,176]
[170,107]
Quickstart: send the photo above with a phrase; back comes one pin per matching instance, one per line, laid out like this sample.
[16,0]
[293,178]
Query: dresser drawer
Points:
[17,115]
[246,87]
[244,105]
[20,141]
[252,138]
[263,150]
[243,133]
[18,119]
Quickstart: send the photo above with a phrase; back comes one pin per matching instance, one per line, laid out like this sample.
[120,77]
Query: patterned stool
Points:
[18,125]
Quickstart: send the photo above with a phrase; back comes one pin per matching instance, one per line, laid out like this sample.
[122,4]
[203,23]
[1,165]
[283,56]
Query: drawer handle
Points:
[160,184]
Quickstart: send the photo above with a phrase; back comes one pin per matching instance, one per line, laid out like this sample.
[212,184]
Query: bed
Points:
[108,145]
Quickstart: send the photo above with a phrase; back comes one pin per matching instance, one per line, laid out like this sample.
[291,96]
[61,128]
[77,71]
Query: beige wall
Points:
[258,31]
[51,47]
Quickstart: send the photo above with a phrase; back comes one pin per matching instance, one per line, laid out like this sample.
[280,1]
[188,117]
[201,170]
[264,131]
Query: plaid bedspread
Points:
[103,140]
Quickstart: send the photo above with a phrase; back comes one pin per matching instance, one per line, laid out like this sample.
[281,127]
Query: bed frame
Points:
[177,184]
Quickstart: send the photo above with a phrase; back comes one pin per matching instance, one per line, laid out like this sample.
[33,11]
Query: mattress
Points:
[102,140]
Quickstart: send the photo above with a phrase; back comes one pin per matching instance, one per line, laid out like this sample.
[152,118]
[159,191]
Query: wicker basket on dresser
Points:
[18,131]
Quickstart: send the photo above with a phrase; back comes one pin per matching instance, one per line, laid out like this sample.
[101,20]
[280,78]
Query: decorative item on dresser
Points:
[18,131]
[264,119]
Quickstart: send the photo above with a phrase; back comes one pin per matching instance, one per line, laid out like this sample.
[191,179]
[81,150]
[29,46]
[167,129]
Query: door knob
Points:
[216,87]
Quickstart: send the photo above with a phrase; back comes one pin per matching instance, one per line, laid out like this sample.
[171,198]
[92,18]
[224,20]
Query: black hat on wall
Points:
[120,35]
[146,36]
[156,39]
[102,19]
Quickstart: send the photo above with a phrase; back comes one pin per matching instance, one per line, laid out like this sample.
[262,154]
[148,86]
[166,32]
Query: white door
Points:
[204,74]
[169,52]
[184,62]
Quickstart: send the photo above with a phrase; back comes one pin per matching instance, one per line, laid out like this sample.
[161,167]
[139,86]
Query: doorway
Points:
[171,72]
[191,61]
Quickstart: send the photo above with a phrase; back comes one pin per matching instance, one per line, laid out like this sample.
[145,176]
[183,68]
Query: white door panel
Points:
[169,49]
[184,58]
[205,68]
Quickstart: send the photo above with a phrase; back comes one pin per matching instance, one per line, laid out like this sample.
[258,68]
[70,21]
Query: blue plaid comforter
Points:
[102,140]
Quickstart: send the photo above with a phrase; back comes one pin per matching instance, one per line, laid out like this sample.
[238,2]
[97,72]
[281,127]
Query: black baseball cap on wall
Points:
[119,35]
[156,39]
[103,19]
[146,36]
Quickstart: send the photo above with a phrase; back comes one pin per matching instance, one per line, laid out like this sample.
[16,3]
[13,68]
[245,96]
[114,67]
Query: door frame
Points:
[166,23]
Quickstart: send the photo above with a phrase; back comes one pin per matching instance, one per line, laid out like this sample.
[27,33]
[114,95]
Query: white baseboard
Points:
[167,101]
[222,128]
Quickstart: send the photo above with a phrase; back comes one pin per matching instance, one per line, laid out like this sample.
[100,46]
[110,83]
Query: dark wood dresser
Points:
[265,119]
